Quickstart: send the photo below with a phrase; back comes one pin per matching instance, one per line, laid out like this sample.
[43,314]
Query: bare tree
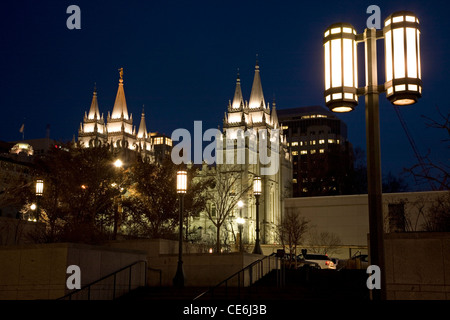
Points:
[291,230]
[438,215]
[222,197]
[436,173]
[324,242]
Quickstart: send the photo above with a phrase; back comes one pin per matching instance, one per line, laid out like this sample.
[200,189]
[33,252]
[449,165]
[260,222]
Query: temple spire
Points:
[94,112]
[238,100]
[142,132]
[257,97]
[120,105]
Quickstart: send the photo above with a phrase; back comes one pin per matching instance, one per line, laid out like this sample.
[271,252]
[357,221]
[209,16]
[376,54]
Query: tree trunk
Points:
[218,239]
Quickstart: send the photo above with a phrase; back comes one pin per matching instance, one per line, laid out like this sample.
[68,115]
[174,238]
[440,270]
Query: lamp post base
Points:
[178,280]
[257,249]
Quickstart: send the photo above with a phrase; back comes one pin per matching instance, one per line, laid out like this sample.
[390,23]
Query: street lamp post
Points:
[257,188]
[403,86]
[117,205]
[178,280]
[39,193]
[240,222]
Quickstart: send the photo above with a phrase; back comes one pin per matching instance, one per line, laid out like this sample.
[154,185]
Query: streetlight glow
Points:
[341,73]
[39,187]
[257,187]
[240,204]
[118,163]
[181,181]
[402,53]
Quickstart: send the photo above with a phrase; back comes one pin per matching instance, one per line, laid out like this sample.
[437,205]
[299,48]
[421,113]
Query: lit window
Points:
[169,142]
[295,153]
[303,152]
[301,143]
[330,140]
[294,144]
[313,151]
[284,127]
[321,141]
[313,142]
[337,141]
[322,151]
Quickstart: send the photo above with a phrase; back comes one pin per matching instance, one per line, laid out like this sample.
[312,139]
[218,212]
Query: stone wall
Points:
[417,265]
[30,272]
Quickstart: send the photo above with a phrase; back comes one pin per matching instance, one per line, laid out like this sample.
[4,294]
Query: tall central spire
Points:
[120,105]
[256,96]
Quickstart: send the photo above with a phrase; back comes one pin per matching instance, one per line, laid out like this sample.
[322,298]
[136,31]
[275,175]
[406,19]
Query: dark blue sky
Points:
[180,61]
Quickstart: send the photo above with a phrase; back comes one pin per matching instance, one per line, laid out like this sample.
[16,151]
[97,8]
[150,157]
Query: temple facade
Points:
[241,154]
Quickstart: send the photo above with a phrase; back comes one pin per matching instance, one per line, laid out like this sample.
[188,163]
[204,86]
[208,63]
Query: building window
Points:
[322,141]
[295,153]
[322,151]
[158,140]
[313,151]
[293,144]
[331,141]
[303,152]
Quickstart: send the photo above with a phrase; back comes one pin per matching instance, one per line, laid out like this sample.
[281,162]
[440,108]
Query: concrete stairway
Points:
[298,284]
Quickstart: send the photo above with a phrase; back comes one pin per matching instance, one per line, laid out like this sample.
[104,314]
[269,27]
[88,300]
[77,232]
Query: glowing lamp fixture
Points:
[39,187]
[118,163]
[403,83]
[341,79]
[181,181]
[240,221]
[240,204]
[257,187]
[402,52]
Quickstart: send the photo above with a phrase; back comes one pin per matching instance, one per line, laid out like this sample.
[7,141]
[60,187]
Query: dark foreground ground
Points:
[310,285]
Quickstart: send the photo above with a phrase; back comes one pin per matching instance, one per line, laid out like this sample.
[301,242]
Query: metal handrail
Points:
[113,274]
[248,267]
[160,274]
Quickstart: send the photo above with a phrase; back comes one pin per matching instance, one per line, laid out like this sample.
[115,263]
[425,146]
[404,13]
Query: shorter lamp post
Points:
[178,280]
[240,221]
[118,164]
[39,193]
[257,188]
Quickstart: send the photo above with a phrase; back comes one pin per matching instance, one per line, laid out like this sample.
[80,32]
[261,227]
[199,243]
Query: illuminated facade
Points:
[244,116]
[118,131]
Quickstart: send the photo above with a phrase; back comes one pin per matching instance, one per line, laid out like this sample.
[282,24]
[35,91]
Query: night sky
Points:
[180,60]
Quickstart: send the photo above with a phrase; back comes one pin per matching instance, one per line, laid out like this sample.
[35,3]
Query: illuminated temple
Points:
[118,131]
